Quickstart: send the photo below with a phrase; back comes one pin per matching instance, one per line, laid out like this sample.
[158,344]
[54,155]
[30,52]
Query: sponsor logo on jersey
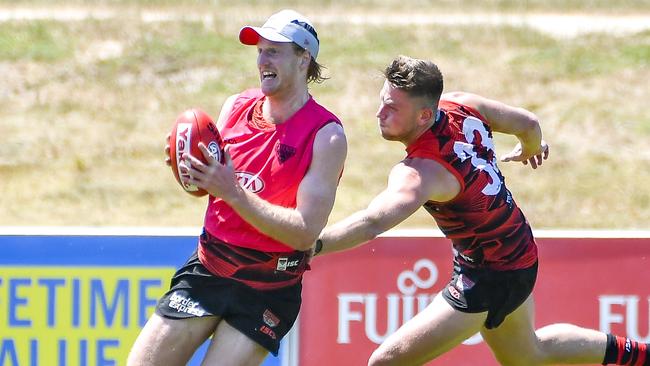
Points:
[250,182]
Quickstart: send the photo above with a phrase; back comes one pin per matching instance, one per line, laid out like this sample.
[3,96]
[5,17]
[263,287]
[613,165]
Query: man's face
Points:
[279,67]
[398,114]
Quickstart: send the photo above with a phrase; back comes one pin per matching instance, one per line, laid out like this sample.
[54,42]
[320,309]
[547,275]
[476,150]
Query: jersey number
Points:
[466,150]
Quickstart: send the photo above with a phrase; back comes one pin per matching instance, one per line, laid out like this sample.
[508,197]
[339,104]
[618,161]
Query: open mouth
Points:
[266,75]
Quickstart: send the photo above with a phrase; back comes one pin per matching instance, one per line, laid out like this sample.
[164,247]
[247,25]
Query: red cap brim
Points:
[249,36]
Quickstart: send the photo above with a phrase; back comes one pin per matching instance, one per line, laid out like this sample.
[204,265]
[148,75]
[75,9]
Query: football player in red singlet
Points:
[267,205]
[451,169]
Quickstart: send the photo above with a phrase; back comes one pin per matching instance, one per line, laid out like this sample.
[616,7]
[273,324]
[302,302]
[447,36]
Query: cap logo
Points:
[307,27]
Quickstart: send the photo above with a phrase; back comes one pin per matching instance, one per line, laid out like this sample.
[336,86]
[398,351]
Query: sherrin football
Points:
[191,127]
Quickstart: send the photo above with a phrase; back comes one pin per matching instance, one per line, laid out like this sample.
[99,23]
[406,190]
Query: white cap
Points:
[284,26]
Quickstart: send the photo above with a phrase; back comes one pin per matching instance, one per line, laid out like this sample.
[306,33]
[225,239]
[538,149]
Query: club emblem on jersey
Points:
[284,152]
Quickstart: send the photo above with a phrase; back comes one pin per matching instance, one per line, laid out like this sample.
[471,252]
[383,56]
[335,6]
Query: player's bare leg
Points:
[229,347]
[170,342]
[515,342]
[432,332]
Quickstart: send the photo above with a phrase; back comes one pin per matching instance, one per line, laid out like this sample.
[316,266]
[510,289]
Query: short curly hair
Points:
[418,78]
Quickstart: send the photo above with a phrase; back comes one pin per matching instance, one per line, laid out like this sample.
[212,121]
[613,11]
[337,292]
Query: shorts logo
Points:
[454,292]
[463,283]
[284,263]
[268,331]
[184,304]
[270,319]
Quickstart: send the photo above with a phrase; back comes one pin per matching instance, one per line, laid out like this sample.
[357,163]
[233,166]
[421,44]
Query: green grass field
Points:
[85,105]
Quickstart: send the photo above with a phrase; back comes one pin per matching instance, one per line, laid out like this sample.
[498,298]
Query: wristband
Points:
[318,247]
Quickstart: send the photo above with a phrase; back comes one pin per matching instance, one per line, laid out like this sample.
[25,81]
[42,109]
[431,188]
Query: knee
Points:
[556,330]
[518,361]
[532,357]
[381,357]
[137,357]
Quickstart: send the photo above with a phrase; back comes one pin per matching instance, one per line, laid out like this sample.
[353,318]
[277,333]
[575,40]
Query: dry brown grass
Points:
[84,125]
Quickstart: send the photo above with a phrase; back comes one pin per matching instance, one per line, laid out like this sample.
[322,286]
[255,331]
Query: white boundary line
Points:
[195,231]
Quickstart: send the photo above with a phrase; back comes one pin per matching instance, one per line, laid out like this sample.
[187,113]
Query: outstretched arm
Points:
[507,119]
[411,183]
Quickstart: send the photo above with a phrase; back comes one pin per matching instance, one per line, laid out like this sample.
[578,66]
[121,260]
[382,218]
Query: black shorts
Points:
[265,316]
[475,290]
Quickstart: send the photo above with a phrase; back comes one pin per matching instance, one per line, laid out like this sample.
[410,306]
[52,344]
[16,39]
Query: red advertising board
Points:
[352,300]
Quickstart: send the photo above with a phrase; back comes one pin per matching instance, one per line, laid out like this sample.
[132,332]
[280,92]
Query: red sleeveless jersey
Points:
[269,160]
[484,223]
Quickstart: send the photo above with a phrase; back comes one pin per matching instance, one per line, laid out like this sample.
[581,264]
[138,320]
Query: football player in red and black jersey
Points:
[451,170]
[242,287]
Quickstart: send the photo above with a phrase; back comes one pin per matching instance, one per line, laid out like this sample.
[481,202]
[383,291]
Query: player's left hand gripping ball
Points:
[191,127]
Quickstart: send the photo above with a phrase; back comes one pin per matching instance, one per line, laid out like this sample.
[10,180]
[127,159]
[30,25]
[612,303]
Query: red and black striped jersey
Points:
[484,223]
[254,268]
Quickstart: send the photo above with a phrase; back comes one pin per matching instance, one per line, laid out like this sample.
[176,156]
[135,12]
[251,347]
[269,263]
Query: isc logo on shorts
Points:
[284,263]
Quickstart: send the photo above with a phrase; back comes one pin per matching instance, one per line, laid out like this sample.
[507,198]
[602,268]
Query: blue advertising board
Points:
[82,299]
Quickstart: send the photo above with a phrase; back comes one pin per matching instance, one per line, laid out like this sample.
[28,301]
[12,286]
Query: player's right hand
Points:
[535,160]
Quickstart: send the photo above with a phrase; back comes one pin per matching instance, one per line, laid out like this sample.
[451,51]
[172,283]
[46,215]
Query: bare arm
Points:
[225,111]
[507,119]
[411,183]
[299,227]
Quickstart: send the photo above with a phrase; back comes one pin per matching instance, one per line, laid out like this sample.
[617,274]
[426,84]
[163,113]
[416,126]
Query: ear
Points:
[426,115]
[305,59]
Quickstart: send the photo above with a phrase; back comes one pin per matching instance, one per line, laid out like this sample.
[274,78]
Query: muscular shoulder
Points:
[226,109]
[464,98]
[431,177]
[332,131]
[330,140]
